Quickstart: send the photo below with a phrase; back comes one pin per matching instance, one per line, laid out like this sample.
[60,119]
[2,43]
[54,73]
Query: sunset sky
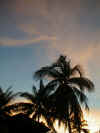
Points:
[33,33]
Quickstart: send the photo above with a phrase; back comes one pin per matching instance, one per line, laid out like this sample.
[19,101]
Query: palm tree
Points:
[39,100]
[66,99]
[5,99]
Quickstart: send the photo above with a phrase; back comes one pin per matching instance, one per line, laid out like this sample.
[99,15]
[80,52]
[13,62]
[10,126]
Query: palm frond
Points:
[83,83]
[6,97]
[8,90]
[62,65]
[82,97]
[77,69]
[51,87]
[41,90]
[42,72]
[41,84]
[1,90]
[34,90]
[47,71]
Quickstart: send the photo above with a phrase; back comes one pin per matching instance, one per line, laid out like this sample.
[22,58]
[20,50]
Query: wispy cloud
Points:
[14,42]
[30,29]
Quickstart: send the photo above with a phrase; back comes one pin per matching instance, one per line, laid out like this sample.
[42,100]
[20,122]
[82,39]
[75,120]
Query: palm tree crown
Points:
[65,102]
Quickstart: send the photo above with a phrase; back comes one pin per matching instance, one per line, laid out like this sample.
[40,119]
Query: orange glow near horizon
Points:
[91,118]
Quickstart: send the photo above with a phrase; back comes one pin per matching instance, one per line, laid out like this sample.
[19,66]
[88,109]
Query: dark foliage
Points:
[5,99]
[20,123]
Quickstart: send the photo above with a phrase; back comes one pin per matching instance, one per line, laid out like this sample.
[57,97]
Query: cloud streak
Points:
[14,42]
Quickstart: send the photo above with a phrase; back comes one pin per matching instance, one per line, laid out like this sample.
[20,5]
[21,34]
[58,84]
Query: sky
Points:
[33,33]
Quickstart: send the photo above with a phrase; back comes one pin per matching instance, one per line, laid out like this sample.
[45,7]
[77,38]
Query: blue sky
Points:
[18,65]
[33,33]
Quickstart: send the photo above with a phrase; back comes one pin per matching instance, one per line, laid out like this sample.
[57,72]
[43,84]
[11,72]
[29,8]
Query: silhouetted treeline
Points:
[60,98]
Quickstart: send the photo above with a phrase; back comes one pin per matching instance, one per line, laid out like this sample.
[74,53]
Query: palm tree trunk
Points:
[68,120]
[69,126]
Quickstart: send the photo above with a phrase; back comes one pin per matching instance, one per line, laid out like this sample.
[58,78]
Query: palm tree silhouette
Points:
[39,100]
[21,121]
[5,99]
[65,102]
